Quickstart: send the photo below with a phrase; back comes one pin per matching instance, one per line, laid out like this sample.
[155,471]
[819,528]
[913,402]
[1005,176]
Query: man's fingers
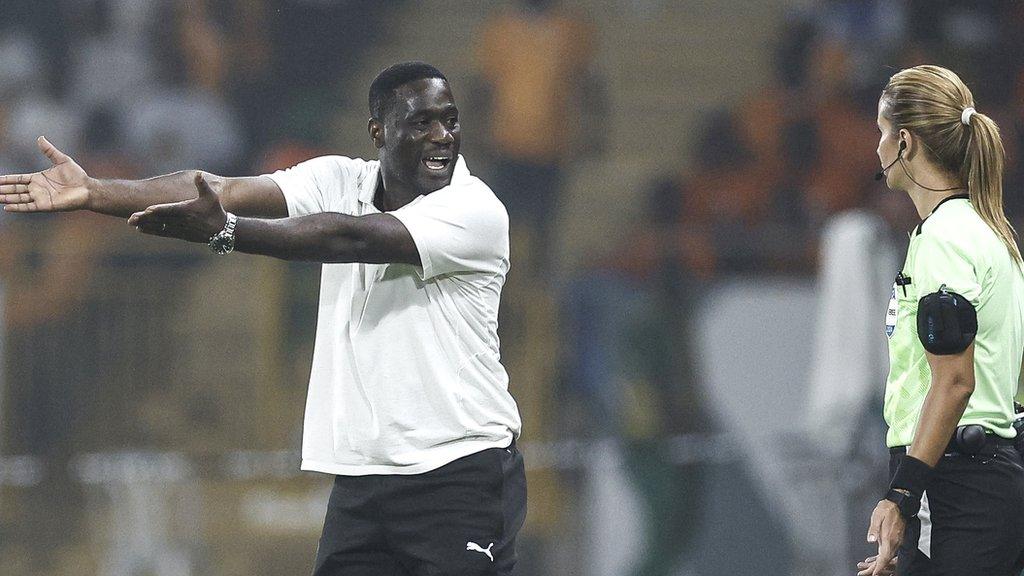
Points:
[51,152]
[144,217]
[148,216]
[13,189]
[24,207]
[174,209]
[160,229]
[23,198]
[15,179]
[172,230]
[150,220]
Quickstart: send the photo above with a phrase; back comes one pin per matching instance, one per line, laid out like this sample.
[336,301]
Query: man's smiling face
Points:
[421,136]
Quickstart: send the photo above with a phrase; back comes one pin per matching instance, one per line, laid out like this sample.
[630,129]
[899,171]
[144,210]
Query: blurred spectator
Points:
[846,143]
[630,365]
[535,58]
[183,121]
[112,59]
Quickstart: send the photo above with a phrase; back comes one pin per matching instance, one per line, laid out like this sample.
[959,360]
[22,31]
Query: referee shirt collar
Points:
[941,202]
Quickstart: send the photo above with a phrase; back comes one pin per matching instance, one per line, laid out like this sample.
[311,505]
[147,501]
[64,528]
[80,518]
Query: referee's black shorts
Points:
[975,514]
[458,520]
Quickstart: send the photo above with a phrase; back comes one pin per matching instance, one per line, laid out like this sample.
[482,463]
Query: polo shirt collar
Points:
[368,186]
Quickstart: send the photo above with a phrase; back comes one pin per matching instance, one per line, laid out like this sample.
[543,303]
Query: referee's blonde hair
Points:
[929,101]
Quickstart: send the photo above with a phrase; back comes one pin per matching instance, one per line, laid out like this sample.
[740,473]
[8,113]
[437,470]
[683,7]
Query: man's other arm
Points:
[324,237]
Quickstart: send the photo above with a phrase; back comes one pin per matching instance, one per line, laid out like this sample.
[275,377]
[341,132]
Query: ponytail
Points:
[935,104]
[982,171]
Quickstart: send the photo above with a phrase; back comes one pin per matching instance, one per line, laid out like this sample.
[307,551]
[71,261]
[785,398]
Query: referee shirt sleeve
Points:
[459,228]
[316,185]
[941,261]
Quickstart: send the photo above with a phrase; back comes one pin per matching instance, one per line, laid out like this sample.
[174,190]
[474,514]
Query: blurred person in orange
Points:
[534,58]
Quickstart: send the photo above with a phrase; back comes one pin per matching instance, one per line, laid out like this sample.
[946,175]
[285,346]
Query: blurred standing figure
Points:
[533,58]
[955,504]
[408,403]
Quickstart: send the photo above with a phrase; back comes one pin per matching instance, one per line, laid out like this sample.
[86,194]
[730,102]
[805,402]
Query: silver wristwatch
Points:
[223,242]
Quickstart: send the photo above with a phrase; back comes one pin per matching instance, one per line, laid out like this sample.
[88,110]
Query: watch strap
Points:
[223,242]
[907,503]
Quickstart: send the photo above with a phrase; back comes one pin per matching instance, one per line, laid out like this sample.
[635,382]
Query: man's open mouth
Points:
[436,162]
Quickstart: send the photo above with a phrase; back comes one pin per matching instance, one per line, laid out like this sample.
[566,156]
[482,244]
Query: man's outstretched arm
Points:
[325,237]
[65,186]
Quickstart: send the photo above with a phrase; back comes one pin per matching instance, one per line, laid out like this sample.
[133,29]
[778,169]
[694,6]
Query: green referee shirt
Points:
[954,247]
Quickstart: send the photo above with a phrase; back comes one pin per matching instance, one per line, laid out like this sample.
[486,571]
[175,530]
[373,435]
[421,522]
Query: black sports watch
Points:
[908,504]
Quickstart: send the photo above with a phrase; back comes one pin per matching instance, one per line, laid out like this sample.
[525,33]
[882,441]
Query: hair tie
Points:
[965,116]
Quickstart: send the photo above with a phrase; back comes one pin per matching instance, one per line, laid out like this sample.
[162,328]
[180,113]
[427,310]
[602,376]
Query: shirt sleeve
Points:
[458,229]
[314,186]
[941,261]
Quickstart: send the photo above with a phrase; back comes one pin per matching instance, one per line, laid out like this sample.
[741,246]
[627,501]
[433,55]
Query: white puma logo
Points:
[476,548]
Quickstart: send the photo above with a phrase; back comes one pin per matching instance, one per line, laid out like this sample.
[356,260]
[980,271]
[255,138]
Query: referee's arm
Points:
[944,405]
[952,384]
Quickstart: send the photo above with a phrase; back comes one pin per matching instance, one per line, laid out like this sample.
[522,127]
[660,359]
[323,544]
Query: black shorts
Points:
[458,520]
[975,511]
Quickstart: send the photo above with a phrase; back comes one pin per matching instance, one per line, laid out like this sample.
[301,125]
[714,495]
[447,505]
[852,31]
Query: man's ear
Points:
[376,130]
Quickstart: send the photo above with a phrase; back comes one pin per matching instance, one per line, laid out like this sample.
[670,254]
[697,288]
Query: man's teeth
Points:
[436,163]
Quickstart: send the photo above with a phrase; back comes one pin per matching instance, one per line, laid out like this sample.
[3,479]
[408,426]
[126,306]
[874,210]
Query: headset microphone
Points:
[881,173]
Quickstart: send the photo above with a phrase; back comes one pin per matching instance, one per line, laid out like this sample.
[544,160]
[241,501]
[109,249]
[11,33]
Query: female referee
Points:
[955,504]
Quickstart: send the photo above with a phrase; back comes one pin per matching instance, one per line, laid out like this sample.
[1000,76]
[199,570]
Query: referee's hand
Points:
[886,528]
[867,567]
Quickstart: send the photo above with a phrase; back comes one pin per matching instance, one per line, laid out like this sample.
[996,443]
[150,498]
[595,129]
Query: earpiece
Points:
[899,154]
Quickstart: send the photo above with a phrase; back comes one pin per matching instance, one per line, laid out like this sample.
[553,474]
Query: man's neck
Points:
[391,197]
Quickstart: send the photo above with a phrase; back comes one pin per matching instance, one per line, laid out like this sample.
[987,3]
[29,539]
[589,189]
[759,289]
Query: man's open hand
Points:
[195,220]
[61,187]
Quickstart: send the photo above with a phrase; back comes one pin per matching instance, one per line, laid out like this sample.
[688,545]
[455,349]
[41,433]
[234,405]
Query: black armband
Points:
[946,322]
[911,475]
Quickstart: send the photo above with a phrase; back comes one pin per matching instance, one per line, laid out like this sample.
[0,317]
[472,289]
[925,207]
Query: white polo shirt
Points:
[406,372]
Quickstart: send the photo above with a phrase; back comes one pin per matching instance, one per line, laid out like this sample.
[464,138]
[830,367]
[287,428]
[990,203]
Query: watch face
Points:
[222,243]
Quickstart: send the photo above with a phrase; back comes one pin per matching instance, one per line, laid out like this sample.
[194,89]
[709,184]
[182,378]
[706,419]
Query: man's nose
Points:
[441,134]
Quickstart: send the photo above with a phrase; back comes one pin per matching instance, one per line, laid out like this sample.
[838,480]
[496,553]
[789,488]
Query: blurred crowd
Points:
[763,176]
[134,88]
